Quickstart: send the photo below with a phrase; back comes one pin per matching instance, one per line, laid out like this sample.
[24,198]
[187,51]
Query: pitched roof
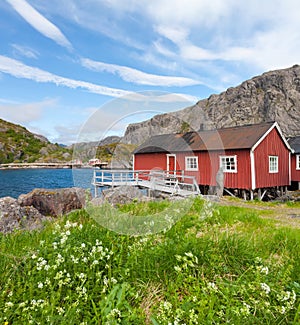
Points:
[238,137]
[295,143]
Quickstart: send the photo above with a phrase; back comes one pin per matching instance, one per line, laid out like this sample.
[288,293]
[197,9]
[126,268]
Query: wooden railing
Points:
[174,182]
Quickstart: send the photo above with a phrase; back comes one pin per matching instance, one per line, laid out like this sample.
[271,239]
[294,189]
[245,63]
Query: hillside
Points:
[272,96]
[17,144]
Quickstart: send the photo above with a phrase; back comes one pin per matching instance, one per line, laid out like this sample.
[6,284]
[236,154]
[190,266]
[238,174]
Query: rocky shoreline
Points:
[41,165]
[31,210]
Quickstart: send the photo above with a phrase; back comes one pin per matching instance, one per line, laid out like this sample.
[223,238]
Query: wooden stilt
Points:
[281,190]
[259,194]
[251,195]
[244,195]
[264,193]
[227,191]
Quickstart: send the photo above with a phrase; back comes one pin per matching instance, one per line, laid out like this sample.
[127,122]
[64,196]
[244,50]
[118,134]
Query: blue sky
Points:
[65,63]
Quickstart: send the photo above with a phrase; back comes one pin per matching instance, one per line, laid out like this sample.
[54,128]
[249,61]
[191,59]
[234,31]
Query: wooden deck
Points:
[155,180]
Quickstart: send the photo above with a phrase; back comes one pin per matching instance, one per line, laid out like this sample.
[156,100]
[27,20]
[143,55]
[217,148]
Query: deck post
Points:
[251,195]
[281,190]
[259,194]
[244,195]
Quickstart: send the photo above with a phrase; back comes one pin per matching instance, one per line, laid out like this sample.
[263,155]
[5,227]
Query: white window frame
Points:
[223,163]
[273,164]
[297,162]
[191,163]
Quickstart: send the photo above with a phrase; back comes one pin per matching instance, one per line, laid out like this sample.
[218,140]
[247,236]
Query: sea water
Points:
[14,182]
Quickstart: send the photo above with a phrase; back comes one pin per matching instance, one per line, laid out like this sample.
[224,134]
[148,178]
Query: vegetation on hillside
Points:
[117,153]
[17,144]
[216,265]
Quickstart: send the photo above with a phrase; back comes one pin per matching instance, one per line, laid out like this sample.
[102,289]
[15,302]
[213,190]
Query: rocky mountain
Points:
[17,144]
[272,96]
[95,149]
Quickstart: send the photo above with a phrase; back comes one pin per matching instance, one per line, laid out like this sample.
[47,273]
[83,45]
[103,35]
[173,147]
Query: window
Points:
[228,163]
[191,163]
[273,164]
[298,162]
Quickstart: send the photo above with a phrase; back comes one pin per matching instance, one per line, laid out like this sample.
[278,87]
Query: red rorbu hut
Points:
[252,158]
[295,162]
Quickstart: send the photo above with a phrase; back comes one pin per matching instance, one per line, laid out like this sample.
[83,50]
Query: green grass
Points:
[215,265]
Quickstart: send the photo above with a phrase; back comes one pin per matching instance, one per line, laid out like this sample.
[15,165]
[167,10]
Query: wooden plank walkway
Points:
[156,180]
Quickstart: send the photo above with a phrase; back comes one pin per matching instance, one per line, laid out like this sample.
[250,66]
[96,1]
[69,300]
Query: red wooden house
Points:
[295,161]
[252,157]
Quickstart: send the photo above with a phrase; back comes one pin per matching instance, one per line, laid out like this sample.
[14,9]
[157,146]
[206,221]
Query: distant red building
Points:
[252,157]
[295,161]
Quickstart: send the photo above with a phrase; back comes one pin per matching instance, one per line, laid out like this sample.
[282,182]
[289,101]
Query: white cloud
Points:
[137,76]
[25,51]
[39,22]
[193,13]
[174,34]
[225,32]
[15,112]
[20,70]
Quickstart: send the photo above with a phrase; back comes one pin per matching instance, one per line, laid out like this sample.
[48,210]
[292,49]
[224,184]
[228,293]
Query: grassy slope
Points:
[216,265]
[20,145]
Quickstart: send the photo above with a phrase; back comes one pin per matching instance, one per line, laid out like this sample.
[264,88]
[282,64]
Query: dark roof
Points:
[295,143]
[238,137]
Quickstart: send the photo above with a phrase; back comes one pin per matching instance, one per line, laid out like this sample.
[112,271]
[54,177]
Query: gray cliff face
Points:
[273,96]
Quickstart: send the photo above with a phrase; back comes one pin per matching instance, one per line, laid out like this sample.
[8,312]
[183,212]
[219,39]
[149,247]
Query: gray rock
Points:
[55,202]
[123,194]
[44,151]
[14,217]
[273,96]
[97,201]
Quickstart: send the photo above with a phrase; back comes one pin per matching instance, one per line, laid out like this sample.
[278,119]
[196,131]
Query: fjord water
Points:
[20,181]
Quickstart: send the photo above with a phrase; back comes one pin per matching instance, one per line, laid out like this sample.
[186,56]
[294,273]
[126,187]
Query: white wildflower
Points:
[60,310]
[177,268]
[68,225]
[245,310]
[212,286]
[189,254]
[265,288]
[264,270]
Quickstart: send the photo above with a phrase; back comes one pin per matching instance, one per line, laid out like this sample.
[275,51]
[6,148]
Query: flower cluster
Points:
[65,271]
[188,260]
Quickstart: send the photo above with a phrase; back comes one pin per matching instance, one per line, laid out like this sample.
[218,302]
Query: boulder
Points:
[14,217]
[55,202]
[123,194]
